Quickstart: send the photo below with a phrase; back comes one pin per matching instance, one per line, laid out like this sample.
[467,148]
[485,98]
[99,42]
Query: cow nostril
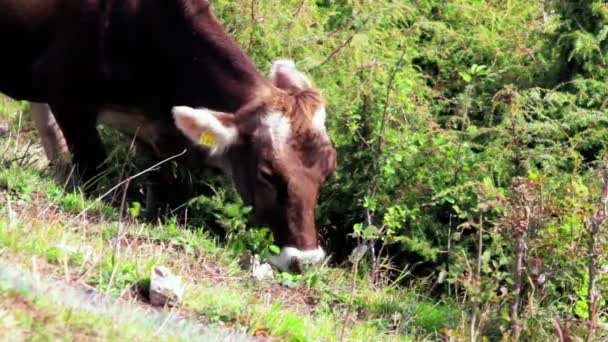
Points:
[296,266]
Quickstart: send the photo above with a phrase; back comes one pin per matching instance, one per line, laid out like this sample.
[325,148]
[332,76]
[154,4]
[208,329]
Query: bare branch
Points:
[595,222]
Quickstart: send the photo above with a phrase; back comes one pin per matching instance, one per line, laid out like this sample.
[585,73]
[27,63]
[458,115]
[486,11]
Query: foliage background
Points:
[437,109]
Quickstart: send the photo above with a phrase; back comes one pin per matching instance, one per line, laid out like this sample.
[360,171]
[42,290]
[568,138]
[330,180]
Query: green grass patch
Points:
[26,317]
[89,252]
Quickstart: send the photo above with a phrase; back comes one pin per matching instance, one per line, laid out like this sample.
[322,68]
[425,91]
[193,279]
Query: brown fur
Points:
[300,107]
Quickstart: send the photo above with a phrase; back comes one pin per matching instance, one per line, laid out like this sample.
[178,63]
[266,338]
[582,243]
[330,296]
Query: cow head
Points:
[279,154]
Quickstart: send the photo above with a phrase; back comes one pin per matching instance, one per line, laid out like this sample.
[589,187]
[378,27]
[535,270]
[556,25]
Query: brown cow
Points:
[128,63]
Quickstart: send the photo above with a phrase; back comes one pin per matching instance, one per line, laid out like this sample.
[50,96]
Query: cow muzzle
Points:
[292,259]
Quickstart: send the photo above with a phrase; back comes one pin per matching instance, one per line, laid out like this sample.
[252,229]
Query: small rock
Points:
[261,271]
[250,262]
[13,218]
[4,128]
[165,288]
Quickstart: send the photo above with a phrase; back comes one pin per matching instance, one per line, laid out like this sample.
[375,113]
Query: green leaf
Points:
[487,181]
[232,210]
[371,232]
[135,209]
[466,76]
[601,36]
[274,249]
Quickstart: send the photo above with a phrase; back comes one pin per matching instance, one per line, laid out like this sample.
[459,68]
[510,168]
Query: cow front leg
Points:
[51,137]
[78,125]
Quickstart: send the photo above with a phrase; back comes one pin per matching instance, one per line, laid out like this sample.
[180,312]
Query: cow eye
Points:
[267,175]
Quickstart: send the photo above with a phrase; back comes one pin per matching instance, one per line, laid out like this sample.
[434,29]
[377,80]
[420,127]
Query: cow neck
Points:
[236,80]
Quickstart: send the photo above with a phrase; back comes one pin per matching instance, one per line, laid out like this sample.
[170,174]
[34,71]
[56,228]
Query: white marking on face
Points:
[284,260]
[318,120]
[279,128]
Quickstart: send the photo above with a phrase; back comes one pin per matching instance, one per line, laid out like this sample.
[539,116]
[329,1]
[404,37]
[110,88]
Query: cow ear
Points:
[213,130]
[284,75]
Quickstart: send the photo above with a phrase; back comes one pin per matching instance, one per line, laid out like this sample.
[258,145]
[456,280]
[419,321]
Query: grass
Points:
[36,308]
[85,244]
[32,318]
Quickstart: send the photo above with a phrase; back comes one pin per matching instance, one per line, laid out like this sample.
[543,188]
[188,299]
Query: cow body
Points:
[128,63]
[138,57]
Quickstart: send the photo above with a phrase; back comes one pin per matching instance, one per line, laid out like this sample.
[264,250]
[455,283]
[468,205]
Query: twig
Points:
[66,268]
[594,225]
[129,179]
[520,225]
[337,50]
[475,314]
[353,287]
[126,161]
[299,8]
[253,24]
[372,250]
[389,88]
[378,152]
[558,330]
[7,145]
[449,252]
[18,131]
[119,235]
[358,29]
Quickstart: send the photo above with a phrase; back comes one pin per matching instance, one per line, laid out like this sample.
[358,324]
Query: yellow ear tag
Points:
[208,139]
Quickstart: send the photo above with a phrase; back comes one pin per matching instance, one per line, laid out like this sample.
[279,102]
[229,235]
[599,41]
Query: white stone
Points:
[4,128]
[165,287]
[261,271]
